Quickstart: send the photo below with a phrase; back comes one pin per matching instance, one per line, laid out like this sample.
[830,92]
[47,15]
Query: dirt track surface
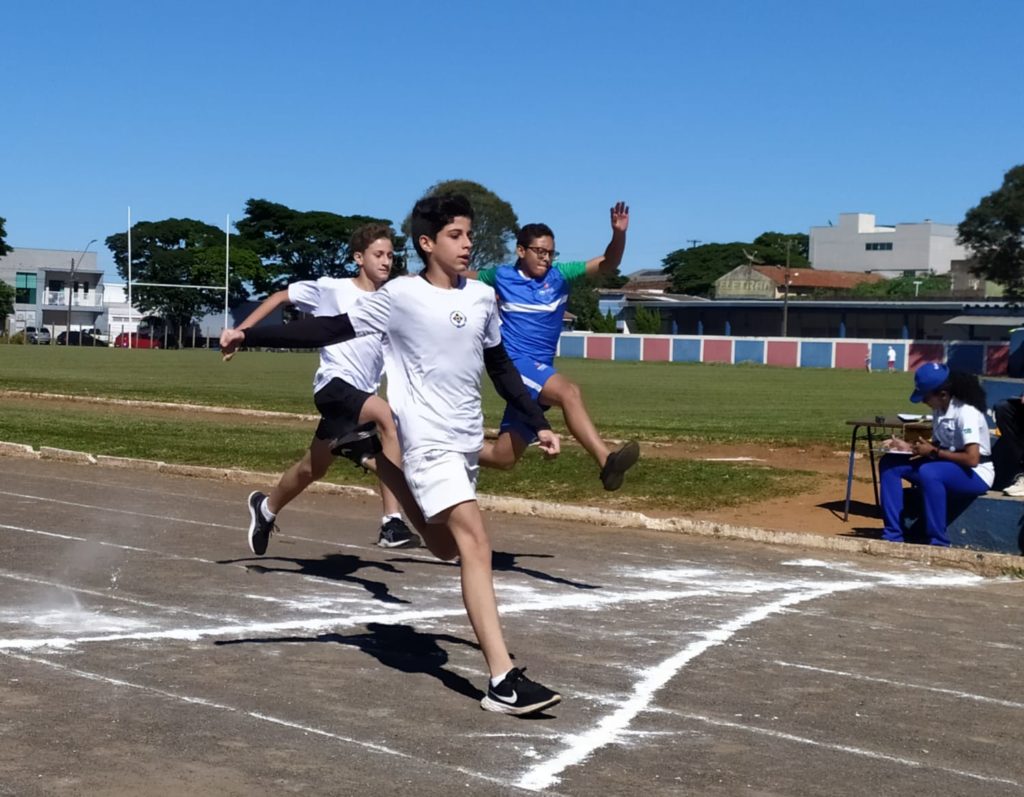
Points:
[146,651]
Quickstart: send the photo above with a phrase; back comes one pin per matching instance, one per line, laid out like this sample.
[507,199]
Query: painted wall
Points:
[976,356]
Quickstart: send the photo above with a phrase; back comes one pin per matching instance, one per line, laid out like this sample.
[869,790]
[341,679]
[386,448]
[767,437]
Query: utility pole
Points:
[693,242]
[71,287]
[785,293]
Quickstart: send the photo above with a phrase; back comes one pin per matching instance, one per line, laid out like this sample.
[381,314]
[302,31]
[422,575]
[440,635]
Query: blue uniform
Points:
[531,311]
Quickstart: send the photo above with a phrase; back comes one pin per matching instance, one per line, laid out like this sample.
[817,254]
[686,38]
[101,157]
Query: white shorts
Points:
[441,479]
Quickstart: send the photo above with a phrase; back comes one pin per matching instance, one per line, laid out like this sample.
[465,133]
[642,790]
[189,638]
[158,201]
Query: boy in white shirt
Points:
[344,388]
[442,331]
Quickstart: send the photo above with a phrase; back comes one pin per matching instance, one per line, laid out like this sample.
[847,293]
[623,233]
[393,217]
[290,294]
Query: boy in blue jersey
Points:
[532,295]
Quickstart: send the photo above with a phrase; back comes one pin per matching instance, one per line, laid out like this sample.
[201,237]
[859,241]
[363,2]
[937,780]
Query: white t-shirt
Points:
[359,362]
[961,425]
[891,354]
[436,339]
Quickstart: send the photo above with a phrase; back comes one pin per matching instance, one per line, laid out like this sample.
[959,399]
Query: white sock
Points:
[497,679]
[393,516]
[265,510]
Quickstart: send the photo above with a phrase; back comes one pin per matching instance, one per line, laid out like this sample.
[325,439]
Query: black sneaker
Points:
[618,463]
[517,694]
[260,528]
[358,445]
[395,534]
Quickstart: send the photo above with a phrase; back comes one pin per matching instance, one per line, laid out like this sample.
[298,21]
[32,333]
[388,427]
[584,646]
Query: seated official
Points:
[956,461]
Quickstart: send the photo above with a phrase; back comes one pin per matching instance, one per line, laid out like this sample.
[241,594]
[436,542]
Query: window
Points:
[24,288]
[879,247]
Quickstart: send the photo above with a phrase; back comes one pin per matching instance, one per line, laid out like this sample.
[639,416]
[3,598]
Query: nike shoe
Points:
[395,534]
[358,445]
[517,694]
[618,463]
[260,528]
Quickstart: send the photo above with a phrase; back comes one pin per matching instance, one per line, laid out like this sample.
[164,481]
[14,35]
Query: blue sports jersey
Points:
[531,309]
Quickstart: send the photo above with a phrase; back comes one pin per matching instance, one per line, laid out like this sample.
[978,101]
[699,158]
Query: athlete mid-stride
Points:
[532,294]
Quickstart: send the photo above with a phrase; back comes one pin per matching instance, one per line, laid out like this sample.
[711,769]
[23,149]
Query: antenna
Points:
[693,242]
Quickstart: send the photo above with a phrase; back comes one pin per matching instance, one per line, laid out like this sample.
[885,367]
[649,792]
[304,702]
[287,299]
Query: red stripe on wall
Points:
[997,359]
[851,355]
[717,351]
[921,353]
[783,353]
[599,347]
[656,349]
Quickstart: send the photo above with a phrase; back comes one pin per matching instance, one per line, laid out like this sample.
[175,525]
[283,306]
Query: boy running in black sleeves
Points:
[442,330]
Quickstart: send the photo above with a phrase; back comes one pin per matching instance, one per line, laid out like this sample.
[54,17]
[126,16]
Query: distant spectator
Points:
[957,460]
[890,357]
[1010,420]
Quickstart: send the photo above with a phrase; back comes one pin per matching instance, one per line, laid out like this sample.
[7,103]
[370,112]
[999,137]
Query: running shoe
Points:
[517,694]
[618,462]
[395,534]
[260,528]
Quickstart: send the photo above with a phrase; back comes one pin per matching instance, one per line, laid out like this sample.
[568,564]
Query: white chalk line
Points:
[582,745]
[904,685]
[258,715]
[113,596]
[173,519]
[115,510]
[844,748]
[333,623]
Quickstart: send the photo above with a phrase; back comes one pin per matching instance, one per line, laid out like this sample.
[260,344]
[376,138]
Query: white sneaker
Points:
[1016,489]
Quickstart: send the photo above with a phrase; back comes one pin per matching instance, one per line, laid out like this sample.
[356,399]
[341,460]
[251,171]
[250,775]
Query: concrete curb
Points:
[980,562]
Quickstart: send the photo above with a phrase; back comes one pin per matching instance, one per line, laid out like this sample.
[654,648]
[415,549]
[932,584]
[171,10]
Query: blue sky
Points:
[714,120]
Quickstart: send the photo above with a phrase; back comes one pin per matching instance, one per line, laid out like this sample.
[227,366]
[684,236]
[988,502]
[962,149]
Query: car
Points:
[38,336]
[99,334]
[137,340]
[76,338]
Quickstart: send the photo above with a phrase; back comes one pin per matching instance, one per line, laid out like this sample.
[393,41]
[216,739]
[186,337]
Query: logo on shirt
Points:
[458,319]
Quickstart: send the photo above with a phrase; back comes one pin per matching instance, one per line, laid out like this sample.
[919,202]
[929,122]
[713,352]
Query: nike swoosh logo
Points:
[509,700]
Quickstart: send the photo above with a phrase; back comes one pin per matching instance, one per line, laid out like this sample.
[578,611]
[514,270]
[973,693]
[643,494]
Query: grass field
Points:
[651,401]
[648,401]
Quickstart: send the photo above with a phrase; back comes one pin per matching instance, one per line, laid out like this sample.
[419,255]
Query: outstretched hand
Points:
[230,341]
[620,217]
[549,443]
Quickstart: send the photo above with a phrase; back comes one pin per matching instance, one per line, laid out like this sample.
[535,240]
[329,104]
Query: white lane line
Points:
[45,499]
[903,684]
[845,748]
[114,597]
[333,623]
[104,543]
[607,731]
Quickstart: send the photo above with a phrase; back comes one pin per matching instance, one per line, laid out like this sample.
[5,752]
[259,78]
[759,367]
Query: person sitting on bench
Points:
[957,460]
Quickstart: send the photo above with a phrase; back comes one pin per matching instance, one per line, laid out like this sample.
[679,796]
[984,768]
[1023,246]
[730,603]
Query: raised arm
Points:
[609,262]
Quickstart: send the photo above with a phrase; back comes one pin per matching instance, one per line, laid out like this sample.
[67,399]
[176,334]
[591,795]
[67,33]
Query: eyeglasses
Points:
[540,251]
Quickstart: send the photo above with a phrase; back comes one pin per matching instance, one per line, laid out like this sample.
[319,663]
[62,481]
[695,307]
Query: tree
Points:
[494,225]
[297,245]
[695,270]
[6,302]
[183,252]
[994,231]
[4,248]
[646,321]
[770,248]
[605,323]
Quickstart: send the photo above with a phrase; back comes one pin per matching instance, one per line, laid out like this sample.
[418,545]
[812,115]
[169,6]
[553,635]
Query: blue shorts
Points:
[534,374]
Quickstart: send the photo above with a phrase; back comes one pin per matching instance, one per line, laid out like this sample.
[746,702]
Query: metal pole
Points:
[71,284]
[129,276]
[227,265]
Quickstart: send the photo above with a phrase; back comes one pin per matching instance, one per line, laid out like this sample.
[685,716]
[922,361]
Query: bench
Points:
[992,522]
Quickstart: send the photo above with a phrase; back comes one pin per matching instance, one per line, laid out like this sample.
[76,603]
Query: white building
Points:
[52,288]
[858,244]
[119,317]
